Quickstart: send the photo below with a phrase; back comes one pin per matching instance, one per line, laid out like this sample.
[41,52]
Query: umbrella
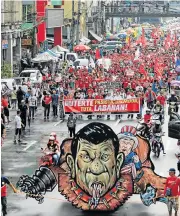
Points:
[81,47]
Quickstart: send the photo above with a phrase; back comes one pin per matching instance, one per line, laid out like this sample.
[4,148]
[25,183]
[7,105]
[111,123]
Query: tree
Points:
[6,71]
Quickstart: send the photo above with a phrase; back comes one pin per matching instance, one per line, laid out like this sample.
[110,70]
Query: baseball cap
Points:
[172,170]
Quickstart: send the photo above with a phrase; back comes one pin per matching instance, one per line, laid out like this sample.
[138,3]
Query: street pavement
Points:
[24,158]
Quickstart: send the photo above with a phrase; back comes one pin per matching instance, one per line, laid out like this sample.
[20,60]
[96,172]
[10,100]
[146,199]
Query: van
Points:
[67,56]
[81,63]
[33,74]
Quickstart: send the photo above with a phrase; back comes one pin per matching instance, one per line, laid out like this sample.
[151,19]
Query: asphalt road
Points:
[24,158]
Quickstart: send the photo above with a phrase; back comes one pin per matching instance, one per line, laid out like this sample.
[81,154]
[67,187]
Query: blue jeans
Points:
[56,158]
[31,111]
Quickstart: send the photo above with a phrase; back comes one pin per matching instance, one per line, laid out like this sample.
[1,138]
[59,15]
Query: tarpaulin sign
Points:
[97,106]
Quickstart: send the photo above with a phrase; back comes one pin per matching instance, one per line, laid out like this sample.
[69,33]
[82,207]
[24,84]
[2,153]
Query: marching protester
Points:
[32,100]
[18,127]
[20,96]
[5,104]
[5,181]
[71,124]
[23,114]
[172,191]
[55,100]
[47,100]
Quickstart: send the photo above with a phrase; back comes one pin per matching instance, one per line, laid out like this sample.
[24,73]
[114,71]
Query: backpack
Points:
[71,123]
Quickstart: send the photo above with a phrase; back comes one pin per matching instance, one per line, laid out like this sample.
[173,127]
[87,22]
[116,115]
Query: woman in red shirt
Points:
[47,101]
[4,103]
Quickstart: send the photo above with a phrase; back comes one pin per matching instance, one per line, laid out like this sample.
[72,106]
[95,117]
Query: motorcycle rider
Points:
[55,136]
[173,98]
[147,116]
[157,129]
[54,148]
[158,109]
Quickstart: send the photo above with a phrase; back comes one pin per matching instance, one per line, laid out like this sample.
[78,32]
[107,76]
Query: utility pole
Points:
[78,21]
[73,23]
[34,39]
[112,20]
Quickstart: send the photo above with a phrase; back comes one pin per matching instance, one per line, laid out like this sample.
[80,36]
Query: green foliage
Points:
[6,71]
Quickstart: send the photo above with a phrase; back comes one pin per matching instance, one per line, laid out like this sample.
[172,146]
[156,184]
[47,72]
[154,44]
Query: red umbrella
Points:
[81,47]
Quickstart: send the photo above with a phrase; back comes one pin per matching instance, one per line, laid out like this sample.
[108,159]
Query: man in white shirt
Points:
[18,125]
[32,104]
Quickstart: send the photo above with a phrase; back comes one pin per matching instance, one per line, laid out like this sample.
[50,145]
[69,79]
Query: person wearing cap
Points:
[128,142]
[172,191]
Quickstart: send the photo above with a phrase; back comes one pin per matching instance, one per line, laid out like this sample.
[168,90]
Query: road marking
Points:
[117,122]
[30,144]
[57,123]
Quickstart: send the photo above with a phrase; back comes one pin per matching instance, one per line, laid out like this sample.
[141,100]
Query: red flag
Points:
[97,55]
[158,68]
[142,70]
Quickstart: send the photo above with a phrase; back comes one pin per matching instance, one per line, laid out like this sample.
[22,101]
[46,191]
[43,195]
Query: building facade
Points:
[11,19]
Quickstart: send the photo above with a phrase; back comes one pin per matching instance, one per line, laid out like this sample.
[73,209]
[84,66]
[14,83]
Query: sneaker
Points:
[19,140]
[164,153]
[47,117]
[44,118]
[33,117]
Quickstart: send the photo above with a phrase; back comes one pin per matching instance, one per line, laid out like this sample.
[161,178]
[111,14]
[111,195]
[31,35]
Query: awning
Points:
[84,40]
[95,36]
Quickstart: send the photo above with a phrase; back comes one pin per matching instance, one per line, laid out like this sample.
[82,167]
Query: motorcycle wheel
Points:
[157,151]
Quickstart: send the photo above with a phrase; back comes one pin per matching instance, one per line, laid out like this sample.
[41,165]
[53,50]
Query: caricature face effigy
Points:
[126,145]
[96,165]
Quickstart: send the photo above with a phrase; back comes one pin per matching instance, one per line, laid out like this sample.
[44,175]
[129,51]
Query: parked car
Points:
[174,129]
[33,74]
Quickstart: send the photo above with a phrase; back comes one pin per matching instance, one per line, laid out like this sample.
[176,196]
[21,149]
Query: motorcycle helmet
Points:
[51,138]
[148,111]
[54,135]
[178,155]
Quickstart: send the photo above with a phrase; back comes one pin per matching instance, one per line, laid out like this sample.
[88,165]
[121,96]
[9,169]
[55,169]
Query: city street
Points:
[23,158]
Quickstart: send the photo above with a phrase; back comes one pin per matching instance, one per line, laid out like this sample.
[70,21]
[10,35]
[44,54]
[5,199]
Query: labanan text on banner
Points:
[94,106]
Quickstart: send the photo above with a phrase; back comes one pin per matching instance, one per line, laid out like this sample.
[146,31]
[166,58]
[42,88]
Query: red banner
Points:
[93,106]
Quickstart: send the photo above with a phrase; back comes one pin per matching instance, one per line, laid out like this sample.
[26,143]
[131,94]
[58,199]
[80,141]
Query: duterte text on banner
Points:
[102,106]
